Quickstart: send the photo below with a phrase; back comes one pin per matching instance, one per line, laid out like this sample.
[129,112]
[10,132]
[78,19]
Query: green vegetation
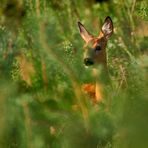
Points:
[41,73]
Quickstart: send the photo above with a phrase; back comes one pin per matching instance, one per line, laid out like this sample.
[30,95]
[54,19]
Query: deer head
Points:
[94,48]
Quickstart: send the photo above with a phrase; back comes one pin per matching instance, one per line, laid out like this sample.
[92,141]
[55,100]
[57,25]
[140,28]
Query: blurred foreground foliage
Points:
[41,72]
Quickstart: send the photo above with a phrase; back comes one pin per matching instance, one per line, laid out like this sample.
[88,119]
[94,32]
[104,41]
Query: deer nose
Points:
[88,61]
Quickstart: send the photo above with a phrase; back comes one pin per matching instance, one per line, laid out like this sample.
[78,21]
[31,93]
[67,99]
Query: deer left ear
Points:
[84,33]
[107,28]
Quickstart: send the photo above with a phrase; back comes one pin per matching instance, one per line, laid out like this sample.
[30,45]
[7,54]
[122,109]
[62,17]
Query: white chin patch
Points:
[87,67]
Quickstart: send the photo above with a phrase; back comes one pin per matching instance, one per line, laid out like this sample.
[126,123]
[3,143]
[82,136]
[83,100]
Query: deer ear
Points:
[84,33]
[107,28]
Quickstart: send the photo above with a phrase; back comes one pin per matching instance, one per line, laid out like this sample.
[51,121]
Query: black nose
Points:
[88,61]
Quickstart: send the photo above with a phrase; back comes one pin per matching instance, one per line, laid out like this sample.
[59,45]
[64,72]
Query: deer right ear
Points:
[107,28]
[84,33]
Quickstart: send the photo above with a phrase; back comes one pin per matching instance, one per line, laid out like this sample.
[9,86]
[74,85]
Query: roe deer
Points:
[94,50]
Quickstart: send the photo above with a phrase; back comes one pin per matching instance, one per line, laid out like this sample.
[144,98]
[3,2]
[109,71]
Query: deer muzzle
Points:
[88,61]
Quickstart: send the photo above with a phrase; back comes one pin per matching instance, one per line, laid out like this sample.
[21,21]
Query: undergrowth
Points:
[41,73]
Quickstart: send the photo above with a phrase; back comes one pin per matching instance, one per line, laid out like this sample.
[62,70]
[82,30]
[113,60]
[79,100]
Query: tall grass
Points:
[41,74]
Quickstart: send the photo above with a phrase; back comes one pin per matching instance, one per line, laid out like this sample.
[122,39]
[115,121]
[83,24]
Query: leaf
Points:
[26,69]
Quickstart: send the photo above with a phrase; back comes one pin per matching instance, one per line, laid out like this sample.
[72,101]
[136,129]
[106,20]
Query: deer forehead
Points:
[94,42]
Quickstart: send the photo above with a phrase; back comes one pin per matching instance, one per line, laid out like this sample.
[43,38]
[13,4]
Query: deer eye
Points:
[98,48]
